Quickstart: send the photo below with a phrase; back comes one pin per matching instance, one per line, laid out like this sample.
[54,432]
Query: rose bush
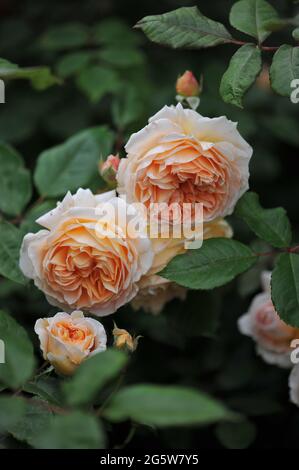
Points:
[69,381]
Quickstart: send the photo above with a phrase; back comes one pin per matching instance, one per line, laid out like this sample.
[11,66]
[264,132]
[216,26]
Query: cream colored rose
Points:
[262,323]
[84,260]
[154,290]
[67,340]
[183,157]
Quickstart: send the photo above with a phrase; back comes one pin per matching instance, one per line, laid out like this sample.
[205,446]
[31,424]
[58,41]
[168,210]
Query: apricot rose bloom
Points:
[183,157]
[273,337]
[83,262]
[67,340]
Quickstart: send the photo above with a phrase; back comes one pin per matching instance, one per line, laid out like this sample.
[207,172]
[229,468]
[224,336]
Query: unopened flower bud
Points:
[187,85]
[123,339]
[263,80]
[108,169]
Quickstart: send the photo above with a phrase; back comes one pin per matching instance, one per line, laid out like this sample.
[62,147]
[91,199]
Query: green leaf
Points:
[121,57]
[92,375]
[10,243]
[15,183]
[244,67]
[285,288]
[46,388]
[253,17]
[165,406]
[38,416]
[12,409]
[185,27]
[271,225]
[284,69]
[95,81]
[73,63]
[114,31]
[236,435]
[217,262]
[40,77]
[127,108]
[74,431]
[66,36]
[295,34]
[19,359]
[72,164]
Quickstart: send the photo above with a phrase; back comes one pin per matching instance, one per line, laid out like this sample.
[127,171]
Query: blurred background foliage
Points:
[110,74]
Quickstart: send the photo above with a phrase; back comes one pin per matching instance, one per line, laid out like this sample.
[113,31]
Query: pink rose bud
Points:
[187,85]
[263,80]
[108,169]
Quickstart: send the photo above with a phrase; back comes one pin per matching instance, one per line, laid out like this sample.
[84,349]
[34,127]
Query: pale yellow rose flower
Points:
[81,262]
[67,340]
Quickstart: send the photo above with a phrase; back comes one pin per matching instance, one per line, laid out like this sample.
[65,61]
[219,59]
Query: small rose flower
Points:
[123,339]
[187,85]
[273,337]
[108,169]
[182,157]
[67,340]
[84,260]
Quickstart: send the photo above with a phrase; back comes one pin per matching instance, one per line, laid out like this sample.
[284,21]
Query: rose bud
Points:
[108,169]
[67,340]
[263,80]
[123,339]
[187,85]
